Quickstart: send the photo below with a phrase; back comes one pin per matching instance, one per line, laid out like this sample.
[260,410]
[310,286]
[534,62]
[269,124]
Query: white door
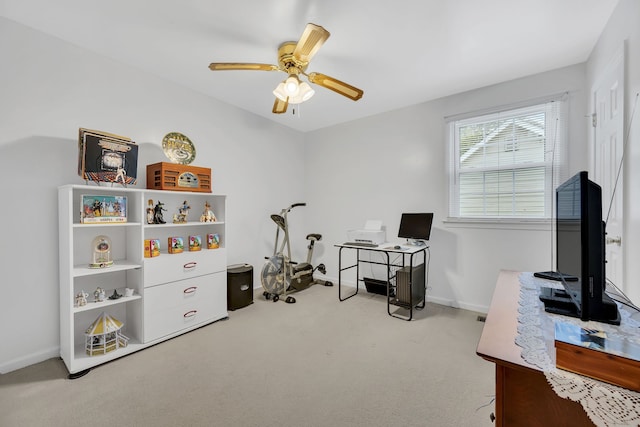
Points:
[608,137]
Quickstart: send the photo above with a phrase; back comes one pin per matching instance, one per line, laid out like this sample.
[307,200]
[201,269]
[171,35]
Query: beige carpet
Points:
[319,362]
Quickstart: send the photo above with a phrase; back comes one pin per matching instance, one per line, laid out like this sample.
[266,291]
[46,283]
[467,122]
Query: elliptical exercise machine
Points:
[280,274]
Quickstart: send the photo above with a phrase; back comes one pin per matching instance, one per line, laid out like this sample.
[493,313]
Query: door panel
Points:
[608,137]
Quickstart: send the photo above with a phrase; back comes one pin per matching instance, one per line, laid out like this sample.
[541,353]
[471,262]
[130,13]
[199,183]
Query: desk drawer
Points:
[170,268]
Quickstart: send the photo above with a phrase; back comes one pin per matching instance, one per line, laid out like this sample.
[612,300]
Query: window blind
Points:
[507,164]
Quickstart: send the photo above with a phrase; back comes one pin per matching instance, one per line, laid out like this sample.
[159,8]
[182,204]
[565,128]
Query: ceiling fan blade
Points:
[279,106]
[220,66]
[312,38]
[336,85]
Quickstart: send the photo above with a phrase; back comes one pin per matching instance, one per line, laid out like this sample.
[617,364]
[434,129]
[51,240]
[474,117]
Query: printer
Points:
[371,233]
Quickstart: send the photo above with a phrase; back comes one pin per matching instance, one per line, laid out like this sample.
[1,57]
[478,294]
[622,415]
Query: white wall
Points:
[376,167]
[623,28]
[381,166]
[49,89]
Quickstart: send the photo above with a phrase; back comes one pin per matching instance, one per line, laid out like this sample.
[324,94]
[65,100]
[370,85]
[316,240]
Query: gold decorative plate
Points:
[178,148]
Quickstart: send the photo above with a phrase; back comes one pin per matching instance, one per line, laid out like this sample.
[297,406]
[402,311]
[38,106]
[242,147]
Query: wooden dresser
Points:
[523,396]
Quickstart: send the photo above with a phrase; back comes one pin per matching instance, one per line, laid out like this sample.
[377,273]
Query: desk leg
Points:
[423,304]
[420,304]
[340,269]
[389,304]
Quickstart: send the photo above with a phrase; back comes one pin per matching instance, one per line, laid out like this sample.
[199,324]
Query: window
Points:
[506,164]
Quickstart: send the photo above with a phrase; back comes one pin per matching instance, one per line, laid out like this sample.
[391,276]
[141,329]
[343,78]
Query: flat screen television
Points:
[580,254]
[415,227]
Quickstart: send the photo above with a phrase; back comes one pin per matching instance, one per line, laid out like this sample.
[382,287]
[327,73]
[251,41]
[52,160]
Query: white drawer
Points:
[181,292]
[171,267]
[159,325]
[184,304]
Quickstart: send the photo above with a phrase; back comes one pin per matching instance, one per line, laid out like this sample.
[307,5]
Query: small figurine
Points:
[99,295]
[150,216]
[120,175]
[115,295]
[81,299]
[207,215]
[181,216]
[157,213]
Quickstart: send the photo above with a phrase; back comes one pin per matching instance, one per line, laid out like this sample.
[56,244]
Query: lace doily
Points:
[605,404]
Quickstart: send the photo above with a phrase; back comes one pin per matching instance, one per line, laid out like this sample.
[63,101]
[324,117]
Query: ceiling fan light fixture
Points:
[291,85]
[305,91]
[280,92]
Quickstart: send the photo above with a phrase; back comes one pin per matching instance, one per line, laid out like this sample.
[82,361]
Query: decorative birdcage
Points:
[104,335]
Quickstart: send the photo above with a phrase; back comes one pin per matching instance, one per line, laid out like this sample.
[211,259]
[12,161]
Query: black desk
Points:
[407,291]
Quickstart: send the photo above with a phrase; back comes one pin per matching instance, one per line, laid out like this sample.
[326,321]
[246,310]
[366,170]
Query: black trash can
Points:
[239,286]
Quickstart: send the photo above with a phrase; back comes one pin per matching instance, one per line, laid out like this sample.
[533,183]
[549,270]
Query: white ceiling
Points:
[400,52]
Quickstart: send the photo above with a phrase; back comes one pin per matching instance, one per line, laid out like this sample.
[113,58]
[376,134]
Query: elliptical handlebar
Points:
[293,206]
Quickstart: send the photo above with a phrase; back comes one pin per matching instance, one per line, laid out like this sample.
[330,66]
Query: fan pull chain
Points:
[295,110]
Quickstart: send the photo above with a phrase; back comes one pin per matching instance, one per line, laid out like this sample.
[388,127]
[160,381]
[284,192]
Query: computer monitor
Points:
[415,226]
[580,252]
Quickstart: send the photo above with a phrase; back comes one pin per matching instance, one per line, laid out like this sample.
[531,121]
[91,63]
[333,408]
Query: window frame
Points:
[554,161]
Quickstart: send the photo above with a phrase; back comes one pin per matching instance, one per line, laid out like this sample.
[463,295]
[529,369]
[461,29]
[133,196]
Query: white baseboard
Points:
[31,359]
[457,304]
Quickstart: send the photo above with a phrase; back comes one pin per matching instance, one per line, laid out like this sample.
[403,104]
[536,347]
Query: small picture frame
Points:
[195,243]
[103,209]
[151,248]
[175,245]
[213,241]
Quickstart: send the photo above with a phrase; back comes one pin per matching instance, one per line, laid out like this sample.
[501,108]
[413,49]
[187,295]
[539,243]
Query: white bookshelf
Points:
[172,293]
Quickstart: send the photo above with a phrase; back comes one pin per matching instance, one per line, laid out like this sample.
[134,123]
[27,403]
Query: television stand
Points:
[558,301]
[554,275]
[522,394]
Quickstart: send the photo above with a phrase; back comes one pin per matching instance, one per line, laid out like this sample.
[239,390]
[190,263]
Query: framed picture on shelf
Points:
[103,209]
[195,243]
[175,245]
[151,248]
[105,157]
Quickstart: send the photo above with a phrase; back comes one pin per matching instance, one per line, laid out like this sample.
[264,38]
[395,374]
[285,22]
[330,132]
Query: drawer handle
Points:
[190,290]
[191,264]
[190,314]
